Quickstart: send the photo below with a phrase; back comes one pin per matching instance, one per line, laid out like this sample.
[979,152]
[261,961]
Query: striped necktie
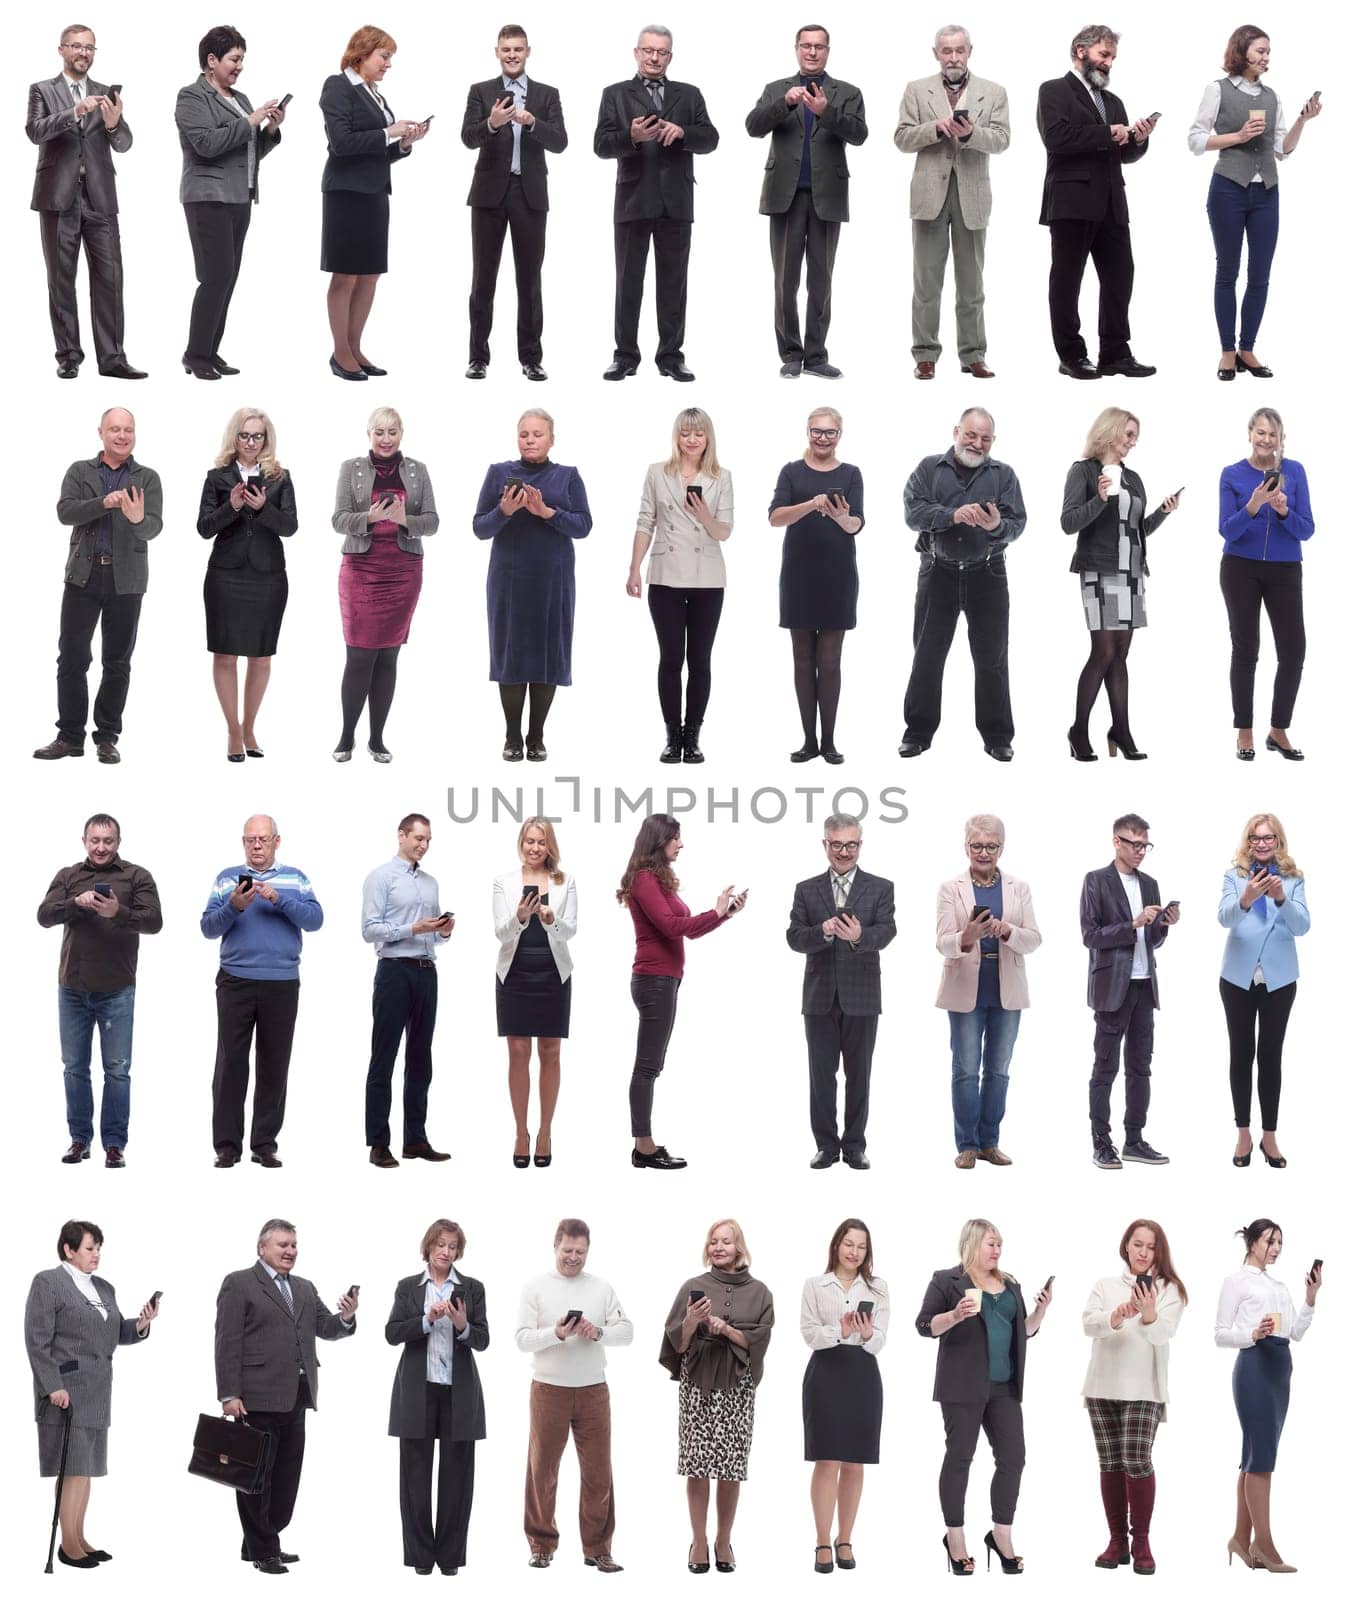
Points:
[1098,102]
[283,1284]
[840,887]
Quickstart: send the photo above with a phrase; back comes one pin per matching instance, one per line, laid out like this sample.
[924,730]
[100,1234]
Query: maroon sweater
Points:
[662,922]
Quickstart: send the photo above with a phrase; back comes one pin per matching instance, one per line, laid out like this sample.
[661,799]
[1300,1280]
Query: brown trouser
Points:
[555,1414]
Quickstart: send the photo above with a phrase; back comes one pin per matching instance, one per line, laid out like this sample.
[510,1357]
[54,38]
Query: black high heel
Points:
[351,377]
[256,754]
[957,1566]
[1272,1161]
[697,1566]
[223,367]
[1286,752]
[1012,1566]
[1244,1160]
[1253,371]
[725,1566]
[233,758]
[1082,751]
[542,1161]
[821,1566]
[1125,743]
[848,1565]
[521,1161]
[195,368]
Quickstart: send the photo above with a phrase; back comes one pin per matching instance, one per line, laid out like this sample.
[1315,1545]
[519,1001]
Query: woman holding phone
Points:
[1104,506]
[687,513]
[661,922]
[1265,519]
[715,1337]
[820,502]
[1256,1316]
[1129,1318]
[844,1318]
[1263,907]
[535,910]
[977,1312]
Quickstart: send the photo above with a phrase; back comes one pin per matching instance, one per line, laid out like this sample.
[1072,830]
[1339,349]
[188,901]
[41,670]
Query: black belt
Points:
[412,961]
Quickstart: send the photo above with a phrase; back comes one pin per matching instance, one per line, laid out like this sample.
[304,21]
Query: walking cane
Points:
[60,1484]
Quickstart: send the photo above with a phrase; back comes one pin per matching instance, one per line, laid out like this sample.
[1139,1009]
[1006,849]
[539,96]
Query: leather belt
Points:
[103,561]
[412,961]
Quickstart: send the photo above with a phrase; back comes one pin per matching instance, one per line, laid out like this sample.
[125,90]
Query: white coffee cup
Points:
[975,1295]
[1276,1317]
[1114,475]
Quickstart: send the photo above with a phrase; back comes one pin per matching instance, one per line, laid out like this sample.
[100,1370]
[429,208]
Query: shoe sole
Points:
[1109,1166]
[1148,1161]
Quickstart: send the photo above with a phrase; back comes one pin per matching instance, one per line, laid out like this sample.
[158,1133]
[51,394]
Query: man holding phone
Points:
[400,916]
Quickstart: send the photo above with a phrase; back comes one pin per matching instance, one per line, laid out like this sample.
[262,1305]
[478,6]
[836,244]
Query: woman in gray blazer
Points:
[72,1327]
[223,141]
[439,1319]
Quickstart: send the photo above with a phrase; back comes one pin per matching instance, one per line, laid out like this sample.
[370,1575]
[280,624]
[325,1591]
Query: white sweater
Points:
[1130,1362]
[573,1362]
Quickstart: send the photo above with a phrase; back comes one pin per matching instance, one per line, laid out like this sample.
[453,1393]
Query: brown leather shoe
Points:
[978,369]
[113,1157]
[381,1156]
[541,1558]
[109,754]
[966,1160]
[924,369]
[996,1156]
[424,1152]
[56,749]
[603,1562]
[78,1151]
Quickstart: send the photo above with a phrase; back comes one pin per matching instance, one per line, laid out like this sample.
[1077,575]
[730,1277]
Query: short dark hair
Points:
[410,820]
[571,1227]
[1096,33]
[71,1236]
[814,27]
[442,1225]
[1129,819]
[101,819]
[1237,47]
[219,42]
[512,30]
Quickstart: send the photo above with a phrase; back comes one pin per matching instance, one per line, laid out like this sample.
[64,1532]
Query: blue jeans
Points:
[985,1038]
[113,1014]
[1234,212]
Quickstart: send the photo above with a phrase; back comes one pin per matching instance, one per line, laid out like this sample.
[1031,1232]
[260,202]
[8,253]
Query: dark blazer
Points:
[1084,180]
[246,538]
[407,1408]
[836,967]
[67,145]
[359,156]
[1083,513]
[653,181]
[260,1348]
[961,1358]
[1107,931]
[81,505]
[495,150]
[71,1347]
[214,143]
[843,123]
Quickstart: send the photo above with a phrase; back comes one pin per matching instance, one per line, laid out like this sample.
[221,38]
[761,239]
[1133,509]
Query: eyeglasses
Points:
[825,433]
[984,849]
[250,438]
[81,49]
[1140,845]
[259,838]
[657,55]
[1263,838]
[843,849]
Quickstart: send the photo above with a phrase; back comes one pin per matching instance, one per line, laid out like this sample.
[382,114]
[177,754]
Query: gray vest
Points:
[1243,162]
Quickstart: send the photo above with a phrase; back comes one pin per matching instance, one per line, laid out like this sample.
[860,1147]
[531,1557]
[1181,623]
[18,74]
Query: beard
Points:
[954,76]
[1098,76]
[968,458]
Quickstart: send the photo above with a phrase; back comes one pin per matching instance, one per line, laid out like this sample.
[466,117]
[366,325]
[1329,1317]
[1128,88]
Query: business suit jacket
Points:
[1095,521]
[214,143]
[924,104]
[561,900]
[359,156]
[1084,179]
[495,150]
[959,981]
[653,181]
[246,538]
[66,146]
[407,1409]
[260,1348]
[355,480]
[836,967]
[961,1356]
[1267,941]
[843,123]
[81,506]
[1106,929]
[71,1347]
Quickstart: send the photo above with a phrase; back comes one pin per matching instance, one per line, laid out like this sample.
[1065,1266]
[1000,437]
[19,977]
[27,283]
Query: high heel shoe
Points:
[1244,753]
[1235,1548]
[521,1161]
[195,368]
[1286,752]
[1081,751]
[232,757]
[1272,1161]
[823,1566]
[351,377]
[383,757]
[849,1564]
[256,754]
[957,1566]
[1010,1565]
[223,367]
[1256,1559]
[697,1566]
[725,1566]
[542,1161]
[1124,742]
[1242,1161]
[371,371]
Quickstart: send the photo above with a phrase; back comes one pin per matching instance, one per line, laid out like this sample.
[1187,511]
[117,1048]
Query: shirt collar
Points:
[812,77]
[108,866]
[100,460]
[271,1271]
[452,1278]
[76,83]
[522,80]
[411,868]
[352,76]
[843,877]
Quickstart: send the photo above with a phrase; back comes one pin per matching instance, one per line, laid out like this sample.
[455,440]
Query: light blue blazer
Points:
[1254,939]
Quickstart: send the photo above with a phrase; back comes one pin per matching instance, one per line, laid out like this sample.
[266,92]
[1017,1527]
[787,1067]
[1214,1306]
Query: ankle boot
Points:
[673,743]
[692,751]
[1113,1492]
[1140,1504]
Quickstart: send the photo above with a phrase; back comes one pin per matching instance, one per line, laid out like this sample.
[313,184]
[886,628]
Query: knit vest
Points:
[1241,163]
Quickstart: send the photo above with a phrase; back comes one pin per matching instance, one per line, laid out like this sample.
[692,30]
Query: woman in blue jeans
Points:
[984,928]
[1242,119]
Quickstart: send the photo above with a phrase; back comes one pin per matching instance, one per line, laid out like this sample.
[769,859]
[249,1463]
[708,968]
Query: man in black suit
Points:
[1123,922]
[811,118]
[510,121]
[652,127]
[840,921]
[78,124]
[267,1323]
[1088,139]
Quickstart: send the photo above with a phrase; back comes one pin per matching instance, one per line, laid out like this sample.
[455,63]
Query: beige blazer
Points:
[682,553]
[924,104]
[561,900]
[959,981]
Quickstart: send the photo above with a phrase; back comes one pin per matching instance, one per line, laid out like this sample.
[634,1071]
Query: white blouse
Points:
[1131,1361]
[824,1300]
[1209,108]
[1249,1295]
[84,1282]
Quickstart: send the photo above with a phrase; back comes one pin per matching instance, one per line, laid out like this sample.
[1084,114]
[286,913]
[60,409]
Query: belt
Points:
[963,566]
[991,955]
[412,961]
[102,561]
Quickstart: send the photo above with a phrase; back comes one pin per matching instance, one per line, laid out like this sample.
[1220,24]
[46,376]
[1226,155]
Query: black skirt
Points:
[244,610]
[355,232]
[533,1002]
[843,1405]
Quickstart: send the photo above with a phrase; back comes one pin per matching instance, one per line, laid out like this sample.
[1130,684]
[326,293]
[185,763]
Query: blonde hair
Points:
[552,865]
[742,1258]
[974,1231]
[984,822]
[1107,429]
[1274,417]
[824,411]
[694,420]
[1243,857]
[381,417]
[266,460]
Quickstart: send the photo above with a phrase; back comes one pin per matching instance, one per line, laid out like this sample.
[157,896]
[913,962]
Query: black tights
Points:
[818,680]
[370,675]
[685,624]
[512,703]
[1107,665]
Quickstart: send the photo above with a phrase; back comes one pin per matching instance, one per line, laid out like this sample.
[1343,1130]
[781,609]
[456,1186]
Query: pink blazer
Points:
[959,981]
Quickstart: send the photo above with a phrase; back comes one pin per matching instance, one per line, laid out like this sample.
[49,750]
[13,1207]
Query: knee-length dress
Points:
[246,588]
[379,587]
[533,1000]
[819,579]
[1111,537]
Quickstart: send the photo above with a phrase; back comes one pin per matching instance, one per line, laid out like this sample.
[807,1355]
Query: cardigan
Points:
[662,922]
[683,555]
[715,1364]
[1254,941]
[561,901]
[1131,1361]
[81,508]
[355,481]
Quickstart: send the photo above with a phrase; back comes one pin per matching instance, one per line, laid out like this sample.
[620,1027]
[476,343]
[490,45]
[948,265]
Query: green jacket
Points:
[80,507]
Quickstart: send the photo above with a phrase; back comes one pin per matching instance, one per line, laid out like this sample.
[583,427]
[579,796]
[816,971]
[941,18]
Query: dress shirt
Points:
[820,81]
[940,484]
[352,76]
[572,1363]
[441,1332]
[1132,889]
[846,881]
[1208,109]
[84,1282]
[823,1302]
[519,88]
[99,954]
[1249,1295]
[111,478]
[1131,1361]
[397,895]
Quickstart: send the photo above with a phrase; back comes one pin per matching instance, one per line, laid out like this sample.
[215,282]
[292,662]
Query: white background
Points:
[734,1095]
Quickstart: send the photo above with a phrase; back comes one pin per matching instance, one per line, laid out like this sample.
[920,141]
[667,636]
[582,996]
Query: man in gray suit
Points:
[78,124]
[266,1369]
[951,122]
[840,921]
[812,118]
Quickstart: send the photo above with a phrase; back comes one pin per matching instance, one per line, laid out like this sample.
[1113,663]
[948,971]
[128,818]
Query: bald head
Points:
[117,432]
[260,841]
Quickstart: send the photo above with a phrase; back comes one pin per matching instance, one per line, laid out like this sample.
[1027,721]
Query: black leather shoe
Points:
[113,1157]
[824,1158]
[225,1159]
[283,1555]
[533,372]
[336,367]
[1286,752]
[858,1160]
[223,367]
[789,369]
[476,369]
[424,1572]
[195,367]
[423,1150]
[659,1158]
[831,755]
[273,1566]
[75,1561]
[806,752]
[122,369]
[371,371]
[535,750]
[57,749]
[1130,368]
[821,369]
[67,369]
[381,1156]
[513,750]
[1226,374]
[619,370]
[677,370]
[78,1151]
[1084,368]
[999,752]
[672,752]
[692,750]
[1254,371]
[108,753]
[267,1158]
[913,747]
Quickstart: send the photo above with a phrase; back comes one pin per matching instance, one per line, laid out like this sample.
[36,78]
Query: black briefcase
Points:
[231,1453]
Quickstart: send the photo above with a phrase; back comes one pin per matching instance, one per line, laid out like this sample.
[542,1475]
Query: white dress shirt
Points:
[1131,1361]
[822,1303]
[352,76]
[1209,107]
[573,1362]
[1249,1295]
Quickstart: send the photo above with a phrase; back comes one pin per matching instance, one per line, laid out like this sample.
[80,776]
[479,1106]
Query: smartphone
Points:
[695,491]
[245,883]
[285,101]
[1145,1281]
[445,916]
[426,121]
[455,1298]
[693,1297]
[114,91]
[514,483]
[1172,906]
[1318,1260]
[353,1291]
[1048,1285]
[1177,493]
[574,1316]
[1272,478]
[866,1308]
[154,1298]
[1154,117]
[104,889]
[960,115]
[981,911]
[530,891]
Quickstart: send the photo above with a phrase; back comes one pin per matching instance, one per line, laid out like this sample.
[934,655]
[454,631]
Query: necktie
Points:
[517,90]
[283,1284]
[655,89]
[1098,102]
[840,893]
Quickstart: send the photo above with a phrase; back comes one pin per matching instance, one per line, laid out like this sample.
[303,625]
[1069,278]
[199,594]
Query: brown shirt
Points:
[715,1363]
[98,954]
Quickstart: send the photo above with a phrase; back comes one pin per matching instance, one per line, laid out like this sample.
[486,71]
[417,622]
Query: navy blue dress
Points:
[819,582]
[530,584]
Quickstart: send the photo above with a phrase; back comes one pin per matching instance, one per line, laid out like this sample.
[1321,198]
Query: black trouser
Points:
[528,241]
[62,234]
[443,1542]
[82,610]
[685,623]
[981,593]
[656,1002]
[1109,245]
[1000,1418]
[1134,1023]
[1277,585]
[673,244]
[266,1516]
[241,1005]
[405,997]
[1255,1019]
[217,232]
[832,1036]
[799,237]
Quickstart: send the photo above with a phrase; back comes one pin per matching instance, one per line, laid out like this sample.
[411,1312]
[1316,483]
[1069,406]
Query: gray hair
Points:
[1096,33]
[542,416]
[951,28]
[984,822]
[270,821]
[840,820]
[656,28]
[978,411]
[109,412]
[274,1225]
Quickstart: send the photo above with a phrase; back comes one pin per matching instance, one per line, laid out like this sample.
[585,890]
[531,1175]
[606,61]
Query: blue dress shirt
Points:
[397,895]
